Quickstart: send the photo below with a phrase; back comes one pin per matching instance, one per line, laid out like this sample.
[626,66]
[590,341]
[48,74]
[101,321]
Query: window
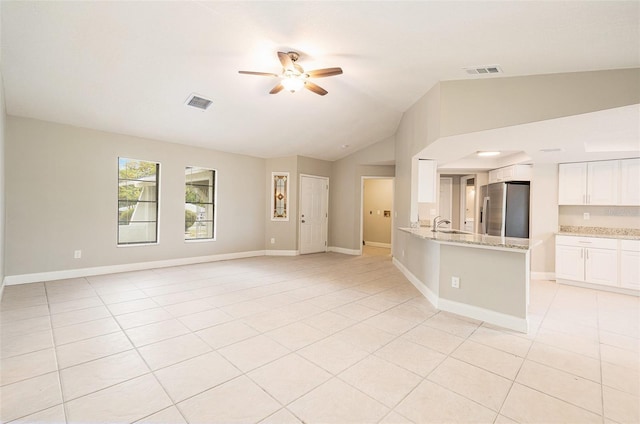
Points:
[137,201]
[199,203]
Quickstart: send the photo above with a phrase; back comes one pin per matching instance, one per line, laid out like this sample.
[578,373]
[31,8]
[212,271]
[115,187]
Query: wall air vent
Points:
[483,70]
[198,102]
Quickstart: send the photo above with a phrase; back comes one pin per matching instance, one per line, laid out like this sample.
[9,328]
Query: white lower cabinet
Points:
[570,263]
[595,260]
[601,266]
[630,264]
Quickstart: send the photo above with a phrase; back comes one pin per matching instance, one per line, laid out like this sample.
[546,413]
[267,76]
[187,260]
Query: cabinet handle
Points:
[588,199]
[585,242]
[584,199]
[587,250]
[581,253]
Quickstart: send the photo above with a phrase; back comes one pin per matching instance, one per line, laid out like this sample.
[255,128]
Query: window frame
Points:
[214,204]
[157,208]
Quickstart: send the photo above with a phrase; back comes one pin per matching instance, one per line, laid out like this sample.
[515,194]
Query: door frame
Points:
[450,179]
[326,222]
[393,211]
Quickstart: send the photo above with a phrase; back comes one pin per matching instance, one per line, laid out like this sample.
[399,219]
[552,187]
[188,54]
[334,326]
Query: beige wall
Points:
[377,197]
[543,219]
[2,185]
[311,166]
[600,216]
[345,188]
[482,104]
[61,195]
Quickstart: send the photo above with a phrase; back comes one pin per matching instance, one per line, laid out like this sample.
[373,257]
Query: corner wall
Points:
[544,219]
[345,192]
[62,195]
[2,186]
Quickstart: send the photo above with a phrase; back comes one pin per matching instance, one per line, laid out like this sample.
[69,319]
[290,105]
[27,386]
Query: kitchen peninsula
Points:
[492,273]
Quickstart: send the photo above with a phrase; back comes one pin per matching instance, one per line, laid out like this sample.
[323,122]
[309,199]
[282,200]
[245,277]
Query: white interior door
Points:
[314,213]
[446,200]
[467,203]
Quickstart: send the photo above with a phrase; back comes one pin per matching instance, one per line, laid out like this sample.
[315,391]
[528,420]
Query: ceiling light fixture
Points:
[487,154]
[292,82]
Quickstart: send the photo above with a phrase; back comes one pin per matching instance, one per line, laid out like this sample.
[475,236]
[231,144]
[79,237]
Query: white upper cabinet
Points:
[510,173]
[602,183]
[589,183]
[427,178]
[572,188]
[630,182]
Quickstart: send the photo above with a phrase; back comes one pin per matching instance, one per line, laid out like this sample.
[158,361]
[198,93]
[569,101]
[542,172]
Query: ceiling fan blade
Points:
[264,74]
[285,60]
[315,88]
[326,72]
[278,88]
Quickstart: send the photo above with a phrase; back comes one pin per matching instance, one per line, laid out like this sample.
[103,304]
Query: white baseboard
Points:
[601,287]
[2,283]
[376,244]
[281,252]
[486,315]
[112,269]
[344,251]
[543,275]
[475,312]
[422,288]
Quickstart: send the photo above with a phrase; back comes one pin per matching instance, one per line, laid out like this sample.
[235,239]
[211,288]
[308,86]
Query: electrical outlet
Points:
[586,216]
[77,254]
[273,241]
[455,282]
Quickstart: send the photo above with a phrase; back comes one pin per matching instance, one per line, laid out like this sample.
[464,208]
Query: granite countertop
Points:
[600,232]
[477,240]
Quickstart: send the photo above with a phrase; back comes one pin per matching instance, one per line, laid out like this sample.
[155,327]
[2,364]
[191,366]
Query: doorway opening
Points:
[377,215]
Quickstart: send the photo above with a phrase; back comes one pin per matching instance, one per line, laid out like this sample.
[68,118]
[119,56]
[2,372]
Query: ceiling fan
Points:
[293,77]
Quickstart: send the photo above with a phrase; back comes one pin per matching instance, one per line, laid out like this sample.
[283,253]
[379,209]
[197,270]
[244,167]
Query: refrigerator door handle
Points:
[485,214]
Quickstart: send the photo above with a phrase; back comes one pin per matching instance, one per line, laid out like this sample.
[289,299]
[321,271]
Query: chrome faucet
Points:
[437,223]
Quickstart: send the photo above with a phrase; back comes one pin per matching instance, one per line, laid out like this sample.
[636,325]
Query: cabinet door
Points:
[572,183]
[427,176]
[629,186]
[601,266]
[602,183]
[493,176]
[570,263]
[630,269]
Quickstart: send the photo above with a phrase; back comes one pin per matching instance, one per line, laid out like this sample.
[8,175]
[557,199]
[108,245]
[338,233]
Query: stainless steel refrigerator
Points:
[505,209]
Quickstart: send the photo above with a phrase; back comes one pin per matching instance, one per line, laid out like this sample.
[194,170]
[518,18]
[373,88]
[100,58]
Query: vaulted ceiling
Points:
[128,67]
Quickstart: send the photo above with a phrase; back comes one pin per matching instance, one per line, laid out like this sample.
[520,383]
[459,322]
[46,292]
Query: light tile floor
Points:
[323,338]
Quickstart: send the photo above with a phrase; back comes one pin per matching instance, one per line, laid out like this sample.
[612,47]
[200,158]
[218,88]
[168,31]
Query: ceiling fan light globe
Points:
[292,84]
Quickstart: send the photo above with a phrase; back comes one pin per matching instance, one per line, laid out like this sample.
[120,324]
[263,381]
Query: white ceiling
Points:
[128,67]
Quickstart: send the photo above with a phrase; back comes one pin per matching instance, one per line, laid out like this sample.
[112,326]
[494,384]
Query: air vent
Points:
[483,70]
[198,102]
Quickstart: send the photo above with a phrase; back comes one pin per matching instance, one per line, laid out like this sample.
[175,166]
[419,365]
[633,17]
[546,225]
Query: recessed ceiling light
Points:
[486,154]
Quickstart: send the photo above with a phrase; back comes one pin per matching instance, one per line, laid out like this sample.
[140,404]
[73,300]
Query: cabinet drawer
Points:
[599,243]
[630,245]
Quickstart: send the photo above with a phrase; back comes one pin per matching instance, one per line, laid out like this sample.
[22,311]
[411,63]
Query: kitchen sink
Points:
[454,232]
